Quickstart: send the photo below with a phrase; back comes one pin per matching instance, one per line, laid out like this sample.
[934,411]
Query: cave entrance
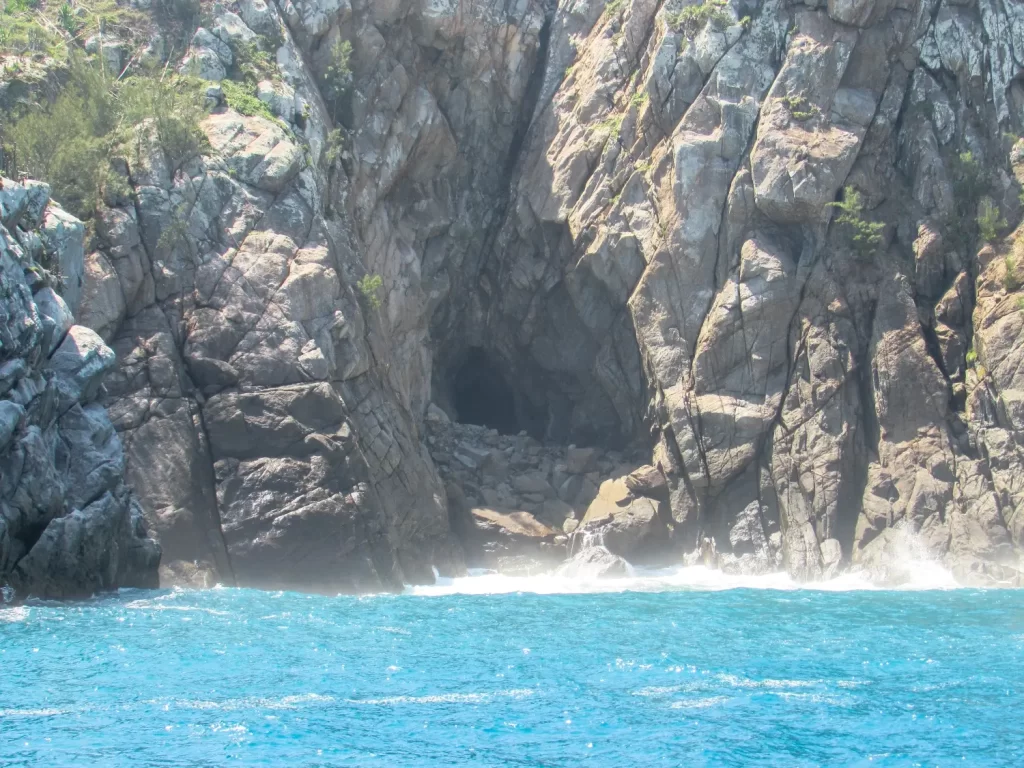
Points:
[482,395]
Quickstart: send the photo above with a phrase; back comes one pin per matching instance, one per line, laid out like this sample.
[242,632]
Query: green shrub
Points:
[241,97]
[614,6]
[50,28]
[693,18]
[338,77]
[335,145]
[1011,280]
[22,33]
[972,357]
[970,182]
[66,19]
[253,63]
[969,179]
[989,221]
[610,126]
[863,235]
[174,109]
[800,108]
[370,287]
[175,234]
[69,143]
[65,144]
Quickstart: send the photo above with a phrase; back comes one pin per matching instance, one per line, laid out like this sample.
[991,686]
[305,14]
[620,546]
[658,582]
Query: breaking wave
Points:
[916,571]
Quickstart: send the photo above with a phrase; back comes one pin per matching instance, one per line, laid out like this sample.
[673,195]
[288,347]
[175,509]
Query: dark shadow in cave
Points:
[482,395]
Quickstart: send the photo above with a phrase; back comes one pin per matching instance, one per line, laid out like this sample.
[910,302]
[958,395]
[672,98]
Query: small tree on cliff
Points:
[864,236]
[338,77]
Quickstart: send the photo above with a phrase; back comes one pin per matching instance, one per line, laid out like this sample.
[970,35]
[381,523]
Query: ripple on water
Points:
[641,676]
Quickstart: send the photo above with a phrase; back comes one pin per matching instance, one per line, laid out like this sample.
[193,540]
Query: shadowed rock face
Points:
[69,526]
[627,231]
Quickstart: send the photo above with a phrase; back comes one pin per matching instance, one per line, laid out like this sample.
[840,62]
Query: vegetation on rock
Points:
[989,221]
[52,28]
[693,18]
[800,108]
[864,236]
[970,182]
[70,143]
[338,77]
[370,287]
[335,146]
[242,98]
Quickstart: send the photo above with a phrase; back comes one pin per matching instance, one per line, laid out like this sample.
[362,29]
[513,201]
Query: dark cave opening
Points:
[482,395]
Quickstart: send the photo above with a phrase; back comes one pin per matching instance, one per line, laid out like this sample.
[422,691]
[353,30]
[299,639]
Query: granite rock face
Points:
[69,525]
[603,227]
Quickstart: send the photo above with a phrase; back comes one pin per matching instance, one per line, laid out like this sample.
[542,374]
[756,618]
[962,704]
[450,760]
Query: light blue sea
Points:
[495,672]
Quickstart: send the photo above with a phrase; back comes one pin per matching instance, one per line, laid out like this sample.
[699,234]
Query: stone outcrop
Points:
[737,264]
[69,525]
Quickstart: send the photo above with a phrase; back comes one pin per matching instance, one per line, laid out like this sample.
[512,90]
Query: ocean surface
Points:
[677,668]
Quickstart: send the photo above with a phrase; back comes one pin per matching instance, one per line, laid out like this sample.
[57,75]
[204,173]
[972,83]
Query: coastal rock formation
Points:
[69,526]
[753,261]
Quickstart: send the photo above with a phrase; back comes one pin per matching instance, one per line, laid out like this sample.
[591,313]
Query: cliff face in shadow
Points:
[756,252]
[69,526]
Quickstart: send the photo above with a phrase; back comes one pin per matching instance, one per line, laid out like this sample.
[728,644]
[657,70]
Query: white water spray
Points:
[591,568]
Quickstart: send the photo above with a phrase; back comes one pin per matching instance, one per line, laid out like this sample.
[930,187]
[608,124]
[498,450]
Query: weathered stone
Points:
[579,461]
[556,512]
[647,481]
[10,418]
[68,525]
[79,364]
[628,526]
[533,482]
[595,563]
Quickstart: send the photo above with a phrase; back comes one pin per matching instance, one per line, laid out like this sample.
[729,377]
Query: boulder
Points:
[647,481]
[628,526]
[579,461]
[595,563]
[556,512]
[10,418]
[512,540]
[91,550]
[534,482]
[79,364]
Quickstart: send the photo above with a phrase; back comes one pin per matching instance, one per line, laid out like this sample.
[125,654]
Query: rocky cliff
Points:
[69,526]
[755,253]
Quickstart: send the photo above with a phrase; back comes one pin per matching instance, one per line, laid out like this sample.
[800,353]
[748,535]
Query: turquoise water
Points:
[671,678]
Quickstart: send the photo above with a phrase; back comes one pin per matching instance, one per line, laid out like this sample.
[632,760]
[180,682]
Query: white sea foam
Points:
[914,569]
[703,703]
[743,682]
[926,575]
[248,702]
[153,605]
[13,615]
[47,712]
[446,698]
